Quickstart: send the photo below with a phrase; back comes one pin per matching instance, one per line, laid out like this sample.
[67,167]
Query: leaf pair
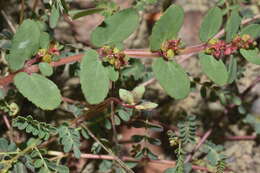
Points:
[169,74]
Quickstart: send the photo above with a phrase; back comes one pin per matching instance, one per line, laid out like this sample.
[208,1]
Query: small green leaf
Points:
[172,78]
[55,15]
[146,106]
[107,124]
[154,141]
[93,78]
[25,43]
[214,69]
[105,165]
[252,30]
[112,73]
[138,93]
[253,121]
[251,55]
[211,24]
[126,96]
[115,28]
[46,69]
[117,120]
[38,163]
[232,26]
[167,27]
[125,116]
[137,138]
[81,13]
[232,70]
[39,90]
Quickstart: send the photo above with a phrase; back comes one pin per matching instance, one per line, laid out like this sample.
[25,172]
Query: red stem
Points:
[108,157]
[203,139]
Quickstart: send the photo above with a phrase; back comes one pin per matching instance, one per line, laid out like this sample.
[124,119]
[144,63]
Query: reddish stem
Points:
[108,157]
[203,139]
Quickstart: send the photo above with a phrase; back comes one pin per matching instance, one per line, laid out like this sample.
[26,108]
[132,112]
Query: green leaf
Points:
[81,13]
[232,70]
[232,26]
[57,168]
[138,93]
[154,141]
[167,27]
[213,152]
[105,165]
[115,28]
[253,121]
[93,78]
[251,55]
[146,106]
[46,69]
[137,138]
[44,40]
[38,89]
[55,15]
[136,70]
[112,73]
[126,96]
[252,30]
[214,69]
[19,167]
[211,24]
[40,129]
[70,139]
[25,43]
[172,78]
[125,116]
[38,163]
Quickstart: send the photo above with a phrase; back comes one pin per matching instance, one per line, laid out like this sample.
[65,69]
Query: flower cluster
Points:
[114,56]
[46,55]
[170,48]
[219,48]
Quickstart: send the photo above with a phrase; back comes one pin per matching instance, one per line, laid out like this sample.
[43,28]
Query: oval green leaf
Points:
[39,90]
[167,27]
[113,75]
[46,69]
[232,26]
[93,78]
[115,28]
[253,30]
[214,69]
[25,43]
[251,55]
[126,96]
[210,24]
[172,78]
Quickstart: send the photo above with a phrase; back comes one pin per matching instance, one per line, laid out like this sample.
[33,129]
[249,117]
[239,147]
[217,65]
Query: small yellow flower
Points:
[42,52]
[213,41]
[245,37]
[47,58]
[170,54]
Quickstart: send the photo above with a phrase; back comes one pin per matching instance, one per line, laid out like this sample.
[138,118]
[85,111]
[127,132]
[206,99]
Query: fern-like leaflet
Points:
[70,139]
[187,129]
[36,128]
